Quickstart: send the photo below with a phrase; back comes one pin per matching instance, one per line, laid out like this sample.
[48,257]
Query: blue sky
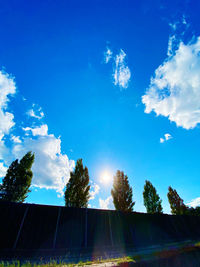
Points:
[116,83]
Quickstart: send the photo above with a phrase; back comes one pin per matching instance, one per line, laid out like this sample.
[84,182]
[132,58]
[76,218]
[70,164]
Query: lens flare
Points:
[106,177]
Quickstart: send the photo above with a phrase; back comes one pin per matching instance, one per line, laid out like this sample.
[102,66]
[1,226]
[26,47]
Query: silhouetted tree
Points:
[77,189]
[196,211]
[152,201]
[15,185]
[122,193]
[176,203]
[192,211]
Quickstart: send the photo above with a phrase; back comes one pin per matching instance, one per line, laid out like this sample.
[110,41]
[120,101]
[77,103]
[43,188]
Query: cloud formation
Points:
[40,130]
[95,191]
[35,112]
[194,203]
[15,139]
[51,168]
[167,137]
[122,72]
[7,88]
[174,91]
[106,204]
[3,170]
[108,55]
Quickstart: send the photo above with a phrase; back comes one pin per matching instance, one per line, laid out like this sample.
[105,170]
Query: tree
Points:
[15,185]
[77,189]
[194,211]
[176,203]
[152,201]
[122,192]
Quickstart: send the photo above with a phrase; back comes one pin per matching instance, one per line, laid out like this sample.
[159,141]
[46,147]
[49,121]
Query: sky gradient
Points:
[116,83]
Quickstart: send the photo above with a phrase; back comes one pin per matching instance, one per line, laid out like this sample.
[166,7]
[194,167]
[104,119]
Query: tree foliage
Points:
[152,201]
[15,185]
[122,193]
[77,189]
[176,203]
[193,211]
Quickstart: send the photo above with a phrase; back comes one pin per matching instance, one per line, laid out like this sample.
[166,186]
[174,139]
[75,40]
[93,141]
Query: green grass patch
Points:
[117,261]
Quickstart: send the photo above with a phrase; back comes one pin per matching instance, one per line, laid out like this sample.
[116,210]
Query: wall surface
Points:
[29,229]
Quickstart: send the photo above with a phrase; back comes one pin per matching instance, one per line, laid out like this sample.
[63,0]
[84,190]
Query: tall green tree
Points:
[176,203]
[152,201]
[15,185]
[77,189]
[122,193]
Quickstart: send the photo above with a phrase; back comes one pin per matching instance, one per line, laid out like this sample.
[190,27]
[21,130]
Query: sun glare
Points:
[106,177]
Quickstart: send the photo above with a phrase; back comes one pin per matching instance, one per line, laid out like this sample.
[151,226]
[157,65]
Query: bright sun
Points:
[106,177]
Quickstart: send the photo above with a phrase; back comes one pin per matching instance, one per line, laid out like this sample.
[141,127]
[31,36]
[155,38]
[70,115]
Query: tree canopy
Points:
[15,185]
[122,193]
[152,201]
[176,203]
[77,189]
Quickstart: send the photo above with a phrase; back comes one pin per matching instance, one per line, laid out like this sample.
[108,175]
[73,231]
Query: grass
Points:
[117,261]
[28,264]
[173,249]
[114,260]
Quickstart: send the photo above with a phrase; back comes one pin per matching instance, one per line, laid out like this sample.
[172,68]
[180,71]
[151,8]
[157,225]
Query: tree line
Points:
[16,186]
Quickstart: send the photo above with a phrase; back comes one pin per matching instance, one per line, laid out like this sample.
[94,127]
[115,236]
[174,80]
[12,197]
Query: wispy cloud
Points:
[95,191]
[35,112]
[179,24]
[173,26]
[106,203]
[122,73]
[194,203]
[107,55]
[166,137]
[171,44]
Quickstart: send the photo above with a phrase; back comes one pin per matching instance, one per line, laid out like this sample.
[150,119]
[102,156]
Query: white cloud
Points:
[40,130]
[7,88]
[15,139]
[3,170]
[174,92]
[173,25]
[194,203]
[167,137]
[108,55]
[171,45]
[184,20]
[95,191]
[179,25]
[106,203]
[37,113]
[122,72]
[51,168]
[4,151]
